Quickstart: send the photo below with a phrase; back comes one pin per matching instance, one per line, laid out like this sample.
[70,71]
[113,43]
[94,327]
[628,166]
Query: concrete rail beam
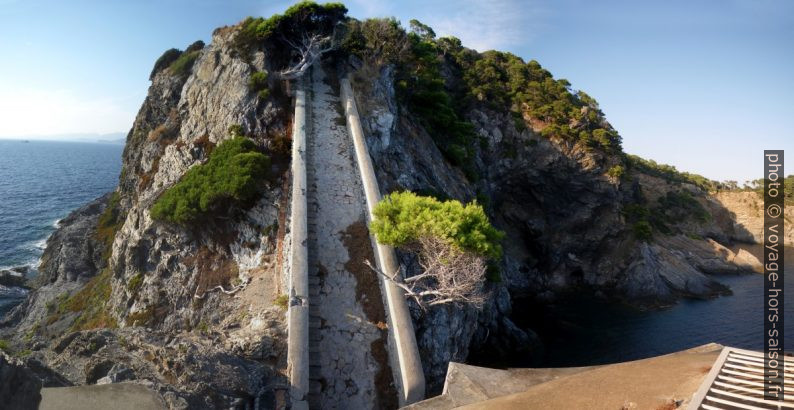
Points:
[409,365]
[298,311]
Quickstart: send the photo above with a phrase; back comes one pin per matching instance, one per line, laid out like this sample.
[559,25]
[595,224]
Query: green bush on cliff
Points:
[165,60]
[302,17]
[183,64]
[642,230]
[231,176]
[439,81]
[616,171]
[681,205]
[668,172]
[402,217]
[258,83]
[419,83]
[109,223]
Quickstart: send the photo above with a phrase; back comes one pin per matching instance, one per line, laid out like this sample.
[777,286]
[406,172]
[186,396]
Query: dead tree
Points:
[449,275]
[309,49]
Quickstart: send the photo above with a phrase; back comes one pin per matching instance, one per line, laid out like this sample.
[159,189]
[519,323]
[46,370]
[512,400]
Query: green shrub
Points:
[402,217]
[616,171]
[182,65]
[196,46]
[420,85]
[231,176]
[258,83]
[282,301]
[165,60]
[236,130]
[135,283]
[635,212]
[109,223]
[668,172]
[680,205]
[642,230]
[377,40]
[505,82]
[91,304]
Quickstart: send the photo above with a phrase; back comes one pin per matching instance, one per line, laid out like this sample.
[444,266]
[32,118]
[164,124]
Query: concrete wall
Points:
[411,379]
[298,312]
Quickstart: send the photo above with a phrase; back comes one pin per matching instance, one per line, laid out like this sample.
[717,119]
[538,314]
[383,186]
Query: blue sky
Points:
[703,85]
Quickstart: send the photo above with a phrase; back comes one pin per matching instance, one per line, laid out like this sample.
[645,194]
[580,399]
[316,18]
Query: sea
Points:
[41,182]
[585,331]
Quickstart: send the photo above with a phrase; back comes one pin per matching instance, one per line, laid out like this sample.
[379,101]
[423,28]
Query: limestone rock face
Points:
[742,217]
[72,256]
[72,251]
[190,309]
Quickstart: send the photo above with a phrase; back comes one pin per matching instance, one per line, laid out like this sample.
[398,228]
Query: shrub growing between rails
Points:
[453,242]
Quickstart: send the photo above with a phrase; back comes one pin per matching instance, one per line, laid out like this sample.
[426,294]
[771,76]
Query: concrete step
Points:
[118,396]
[648,383]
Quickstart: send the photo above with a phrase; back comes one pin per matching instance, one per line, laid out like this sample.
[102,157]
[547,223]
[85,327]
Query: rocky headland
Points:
[197,311]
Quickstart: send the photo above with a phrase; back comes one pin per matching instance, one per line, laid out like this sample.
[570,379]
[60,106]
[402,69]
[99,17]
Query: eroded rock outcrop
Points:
[188,311]
[564,219]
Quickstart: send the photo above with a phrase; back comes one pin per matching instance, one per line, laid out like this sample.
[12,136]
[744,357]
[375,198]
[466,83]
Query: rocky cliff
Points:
[193,310]
[564,218]
[190,311]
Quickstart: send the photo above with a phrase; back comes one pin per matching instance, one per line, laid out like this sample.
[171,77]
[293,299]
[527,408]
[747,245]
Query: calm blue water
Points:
[584,332]
[40,183]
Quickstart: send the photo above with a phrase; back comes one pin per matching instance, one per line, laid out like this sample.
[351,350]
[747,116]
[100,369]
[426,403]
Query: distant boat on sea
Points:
[25,141]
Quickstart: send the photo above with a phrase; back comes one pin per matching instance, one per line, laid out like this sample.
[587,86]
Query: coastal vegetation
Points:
[670,210]
[109,223]
[89,305]
[453,243]
[182,65]
[165,60]
[668,172]
[758,185]
[257,83]
[440,81]
[230,177]
[177,62]
[401,218]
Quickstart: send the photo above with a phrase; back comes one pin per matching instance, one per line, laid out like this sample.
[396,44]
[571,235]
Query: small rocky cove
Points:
[197,313]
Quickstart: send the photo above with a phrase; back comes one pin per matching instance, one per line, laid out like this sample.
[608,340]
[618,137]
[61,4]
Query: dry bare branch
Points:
[309,50]
[449,275]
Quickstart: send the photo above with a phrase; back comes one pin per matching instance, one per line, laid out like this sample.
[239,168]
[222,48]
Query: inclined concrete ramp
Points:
[116,396]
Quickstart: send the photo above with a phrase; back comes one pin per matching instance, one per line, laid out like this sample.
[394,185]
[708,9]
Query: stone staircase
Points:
[345,369]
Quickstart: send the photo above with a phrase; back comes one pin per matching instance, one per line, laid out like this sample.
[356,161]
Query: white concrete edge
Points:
[412,378]
[298,310]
